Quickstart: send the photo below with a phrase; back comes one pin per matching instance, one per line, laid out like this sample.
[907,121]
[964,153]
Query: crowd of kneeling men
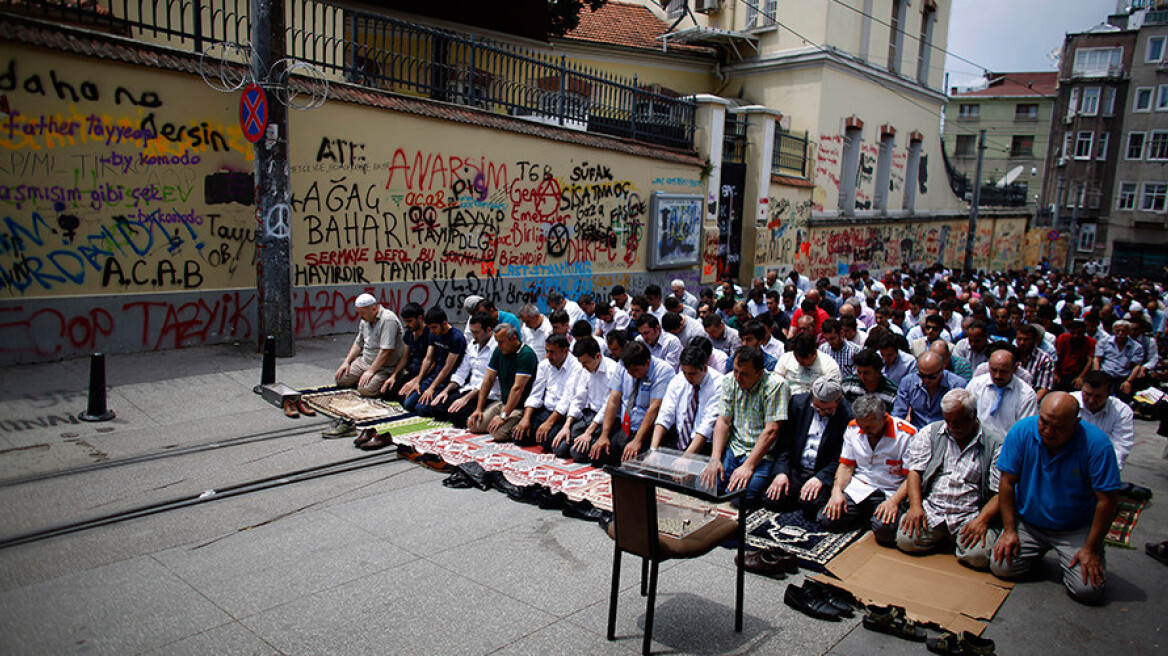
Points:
[951,430]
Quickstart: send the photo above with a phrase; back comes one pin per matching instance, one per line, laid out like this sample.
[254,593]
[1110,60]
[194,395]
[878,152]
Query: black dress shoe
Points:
[770,562]
[842,600]
[810,604]
[379,442]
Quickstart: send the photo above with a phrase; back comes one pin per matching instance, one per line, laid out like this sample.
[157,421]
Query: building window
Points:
[1072,103]
[762,13]
[1087,233]
[1025,111]
[1109,101]
[1135,145]
[1158,145]
[896,34]
[1162,98]
[965,145]
[1083,145]
[968,111]
[1022,145]
[850,169]
[1142,101]
[1155,51]
[924,54]
[1126,200]
[1093,194]
[1154,197]
[883,171]
[1090,104]
[1098,62]
[675,9]
[1101,148]
[912,170]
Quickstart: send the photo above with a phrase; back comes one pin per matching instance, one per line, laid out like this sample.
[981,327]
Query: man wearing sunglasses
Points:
[918,397]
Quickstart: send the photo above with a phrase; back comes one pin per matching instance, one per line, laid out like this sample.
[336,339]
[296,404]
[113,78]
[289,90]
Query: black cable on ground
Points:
[257,485]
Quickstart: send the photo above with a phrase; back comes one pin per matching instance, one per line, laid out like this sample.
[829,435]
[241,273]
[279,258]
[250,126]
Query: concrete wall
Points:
[127,224]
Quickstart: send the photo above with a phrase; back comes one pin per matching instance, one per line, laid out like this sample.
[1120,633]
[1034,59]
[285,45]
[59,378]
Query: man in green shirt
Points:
[754,406]
[513,364]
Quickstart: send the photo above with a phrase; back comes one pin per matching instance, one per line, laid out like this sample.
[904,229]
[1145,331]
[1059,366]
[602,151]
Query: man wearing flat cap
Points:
[808,450]
[375,351]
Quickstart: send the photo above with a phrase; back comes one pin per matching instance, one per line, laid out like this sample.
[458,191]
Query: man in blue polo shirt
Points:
[1058,491]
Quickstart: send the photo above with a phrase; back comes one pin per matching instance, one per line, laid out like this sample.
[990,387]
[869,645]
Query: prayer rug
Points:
[348,404]
[1125,520]
[791,531]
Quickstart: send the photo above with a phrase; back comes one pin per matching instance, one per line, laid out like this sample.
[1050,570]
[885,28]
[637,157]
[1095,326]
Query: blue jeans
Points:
[411,402]
[759,480]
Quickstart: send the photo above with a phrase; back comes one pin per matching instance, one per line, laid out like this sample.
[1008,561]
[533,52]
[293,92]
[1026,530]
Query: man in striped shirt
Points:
[1035,360]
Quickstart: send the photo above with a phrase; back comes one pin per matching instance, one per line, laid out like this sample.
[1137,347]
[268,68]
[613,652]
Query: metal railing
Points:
[407,58]
[734,139]
[789,155]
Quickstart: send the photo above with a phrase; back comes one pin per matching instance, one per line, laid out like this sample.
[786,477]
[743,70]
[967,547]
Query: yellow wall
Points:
[143,237]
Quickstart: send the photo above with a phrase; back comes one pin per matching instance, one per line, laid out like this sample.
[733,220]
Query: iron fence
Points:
[734,139]
[789,155]
[408,58]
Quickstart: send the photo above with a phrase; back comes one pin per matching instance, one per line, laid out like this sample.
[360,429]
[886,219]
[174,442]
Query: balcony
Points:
[384,53]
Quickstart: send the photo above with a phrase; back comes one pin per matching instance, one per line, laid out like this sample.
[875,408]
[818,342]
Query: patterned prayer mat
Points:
[791,531]
[1125,520]
[524,466]
[348,404]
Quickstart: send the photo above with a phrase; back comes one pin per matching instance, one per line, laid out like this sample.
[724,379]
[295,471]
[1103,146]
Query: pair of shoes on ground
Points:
[776,562]
[293,408]
[371,440]
[967,644]
[820,600]
[339,428]
[1157,550]
[894,621]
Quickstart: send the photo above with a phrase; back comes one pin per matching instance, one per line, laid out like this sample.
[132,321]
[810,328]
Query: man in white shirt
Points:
[682,327]
[1002,397]
[456,402]
[802,364]
[636,391]
[678,289]
[653,295]
[620,298]
[671,304]
[547,405]
[870,482]
[661,344]
[849,328]
[556,301]
[690,408]
[1107,413]
[972,347]
[609,318]
[536,329]
[588,395]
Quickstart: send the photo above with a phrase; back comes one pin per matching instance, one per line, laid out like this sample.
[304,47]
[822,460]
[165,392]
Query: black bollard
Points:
[97,410]
[268,373]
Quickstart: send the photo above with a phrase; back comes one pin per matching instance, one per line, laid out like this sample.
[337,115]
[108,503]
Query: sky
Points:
[1014,35]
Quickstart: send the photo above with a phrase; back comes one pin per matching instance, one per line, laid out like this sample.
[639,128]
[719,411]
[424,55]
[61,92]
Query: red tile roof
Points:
[1018,84]
[628,25]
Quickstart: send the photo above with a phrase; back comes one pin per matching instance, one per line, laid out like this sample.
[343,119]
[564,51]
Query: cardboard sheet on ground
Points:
[932,588]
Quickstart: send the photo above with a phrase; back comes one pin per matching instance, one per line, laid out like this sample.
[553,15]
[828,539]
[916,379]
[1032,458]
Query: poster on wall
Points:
[675,231]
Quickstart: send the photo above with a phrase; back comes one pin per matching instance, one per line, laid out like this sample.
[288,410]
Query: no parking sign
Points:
[253,112]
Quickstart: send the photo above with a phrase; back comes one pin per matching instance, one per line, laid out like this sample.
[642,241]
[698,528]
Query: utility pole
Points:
[971,236]
[273,212]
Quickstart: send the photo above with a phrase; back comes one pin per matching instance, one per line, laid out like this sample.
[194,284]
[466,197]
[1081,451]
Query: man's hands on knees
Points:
[835,505]
[778,487]
[341,371]
[811,489]
[712,474]
[973,534]
[740,478]
[1007,546]
[1090,563]
[913,521]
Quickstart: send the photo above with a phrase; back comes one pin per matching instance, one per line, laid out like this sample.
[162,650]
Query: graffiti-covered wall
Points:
[127,219]
[834,249]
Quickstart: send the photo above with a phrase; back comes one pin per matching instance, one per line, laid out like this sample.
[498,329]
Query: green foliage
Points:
[564,15]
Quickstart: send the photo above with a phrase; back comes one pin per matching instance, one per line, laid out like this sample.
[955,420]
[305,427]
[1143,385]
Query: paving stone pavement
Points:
[385,559]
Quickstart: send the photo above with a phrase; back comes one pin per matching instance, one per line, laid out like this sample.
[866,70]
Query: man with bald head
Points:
[957,365]
[1002,397]
[918,396]
[1058,490]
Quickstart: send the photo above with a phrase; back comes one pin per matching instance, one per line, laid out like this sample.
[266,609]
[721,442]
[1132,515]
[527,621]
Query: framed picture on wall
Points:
[675,230]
